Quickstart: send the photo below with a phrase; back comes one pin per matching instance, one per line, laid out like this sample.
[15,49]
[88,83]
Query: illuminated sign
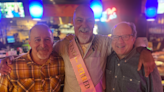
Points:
[108,15]
[160,7]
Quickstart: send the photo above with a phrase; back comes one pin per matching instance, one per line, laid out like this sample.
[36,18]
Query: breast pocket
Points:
[108,73]
[94,63]
[54,83]
[25,84]
[129,84]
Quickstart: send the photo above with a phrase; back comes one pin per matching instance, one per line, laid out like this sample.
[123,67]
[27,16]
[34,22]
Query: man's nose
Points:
[120,39]
[43,44]
[84,24]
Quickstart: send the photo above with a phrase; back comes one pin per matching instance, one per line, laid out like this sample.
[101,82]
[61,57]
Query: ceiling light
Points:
[37,19]
[150,19]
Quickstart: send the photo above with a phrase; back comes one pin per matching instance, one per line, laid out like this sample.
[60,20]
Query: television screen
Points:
[10,39]
[160,7]
[11,9]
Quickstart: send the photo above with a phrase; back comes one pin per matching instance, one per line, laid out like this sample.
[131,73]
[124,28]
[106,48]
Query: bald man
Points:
[85,56]
[39,70]
[122,64]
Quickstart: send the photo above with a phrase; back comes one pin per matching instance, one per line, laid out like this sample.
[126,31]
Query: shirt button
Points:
[57,77]
[130,79]
[118,64]
[115,76]
[113,89]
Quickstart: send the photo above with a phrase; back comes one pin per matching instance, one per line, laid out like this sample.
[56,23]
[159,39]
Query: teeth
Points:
[84,31]
[120,46]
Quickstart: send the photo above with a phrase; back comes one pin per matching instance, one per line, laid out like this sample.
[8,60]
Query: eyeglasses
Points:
[124,37]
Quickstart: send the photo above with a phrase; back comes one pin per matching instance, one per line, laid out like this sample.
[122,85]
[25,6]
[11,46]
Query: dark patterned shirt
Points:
[122,75]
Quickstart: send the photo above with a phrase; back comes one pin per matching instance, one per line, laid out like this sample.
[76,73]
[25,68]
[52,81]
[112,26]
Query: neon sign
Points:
[109,14]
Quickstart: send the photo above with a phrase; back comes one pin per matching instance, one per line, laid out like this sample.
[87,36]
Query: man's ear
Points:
[134,39]
[73,19]
[73,22]
[29,42]
[53,42]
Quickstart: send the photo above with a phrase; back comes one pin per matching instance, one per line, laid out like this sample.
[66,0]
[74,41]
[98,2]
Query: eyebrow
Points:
[79,18]
[87,19]
[48,37]
[39,37]
[36,37]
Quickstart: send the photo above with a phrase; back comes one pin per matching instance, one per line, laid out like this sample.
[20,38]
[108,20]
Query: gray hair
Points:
[132,25]
[40,24]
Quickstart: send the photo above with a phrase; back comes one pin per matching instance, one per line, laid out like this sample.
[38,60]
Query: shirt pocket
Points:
[94,63]
[108,73]
[25,84]
[54,83]
[130,85]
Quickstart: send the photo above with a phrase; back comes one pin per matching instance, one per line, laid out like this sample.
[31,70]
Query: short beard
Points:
[43,56]
[81,29]
[86,39]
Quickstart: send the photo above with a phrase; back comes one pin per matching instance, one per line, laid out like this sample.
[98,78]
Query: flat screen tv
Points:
[160,7]
[10,39]
[11,9]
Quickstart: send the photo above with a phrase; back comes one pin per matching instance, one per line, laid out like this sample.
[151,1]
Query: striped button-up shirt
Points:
[27,76]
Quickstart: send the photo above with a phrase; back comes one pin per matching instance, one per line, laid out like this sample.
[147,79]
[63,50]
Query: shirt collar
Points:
[89,42]
[80,49]
[30,61]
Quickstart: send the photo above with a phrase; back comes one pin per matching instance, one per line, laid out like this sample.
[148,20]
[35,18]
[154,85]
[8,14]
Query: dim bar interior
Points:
[17,18]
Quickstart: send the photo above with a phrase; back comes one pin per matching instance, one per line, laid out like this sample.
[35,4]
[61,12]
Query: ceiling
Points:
[73,1]
[51,1]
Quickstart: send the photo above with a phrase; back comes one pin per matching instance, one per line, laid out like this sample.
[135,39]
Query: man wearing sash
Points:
[85,56]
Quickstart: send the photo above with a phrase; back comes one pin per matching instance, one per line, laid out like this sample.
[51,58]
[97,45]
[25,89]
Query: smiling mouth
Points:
[84,31]
[43,50]
[120,46]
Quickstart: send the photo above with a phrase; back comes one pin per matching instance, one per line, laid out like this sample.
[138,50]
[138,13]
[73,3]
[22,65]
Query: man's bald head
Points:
[84,9]
[126,24]
[40,26]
